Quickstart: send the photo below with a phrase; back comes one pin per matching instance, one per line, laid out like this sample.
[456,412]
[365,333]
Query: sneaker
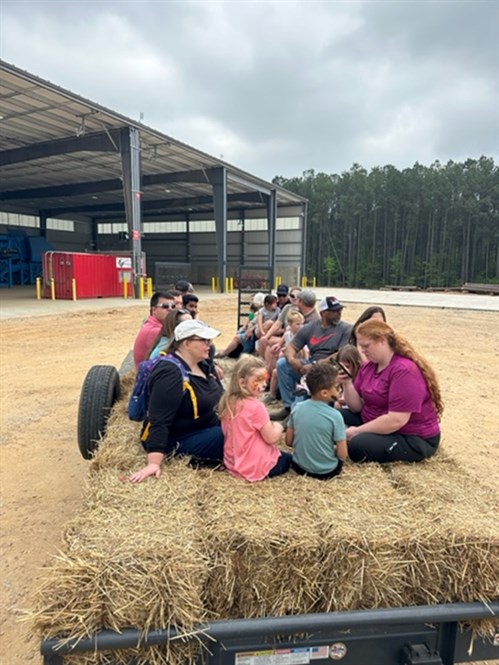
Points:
[301,392]
[270,399]
[280,415]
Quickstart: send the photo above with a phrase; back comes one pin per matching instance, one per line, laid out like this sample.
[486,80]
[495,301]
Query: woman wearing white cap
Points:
[181,417]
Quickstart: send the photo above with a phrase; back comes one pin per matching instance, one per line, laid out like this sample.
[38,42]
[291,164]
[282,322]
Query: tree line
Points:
[433,226]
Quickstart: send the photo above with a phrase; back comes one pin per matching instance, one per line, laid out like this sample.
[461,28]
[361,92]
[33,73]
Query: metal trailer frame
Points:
[423,635]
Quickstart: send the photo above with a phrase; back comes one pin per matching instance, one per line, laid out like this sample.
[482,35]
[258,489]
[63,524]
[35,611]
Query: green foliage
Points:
[430,226]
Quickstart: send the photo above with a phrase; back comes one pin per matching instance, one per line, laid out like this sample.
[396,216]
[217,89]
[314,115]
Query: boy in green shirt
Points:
[316,430]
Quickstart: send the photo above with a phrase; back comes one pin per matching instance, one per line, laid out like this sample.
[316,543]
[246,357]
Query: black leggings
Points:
[319,476]
[384,448]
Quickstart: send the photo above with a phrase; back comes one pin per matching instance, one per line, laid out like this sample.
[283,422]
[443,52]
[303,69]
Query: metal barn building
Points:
[75,176]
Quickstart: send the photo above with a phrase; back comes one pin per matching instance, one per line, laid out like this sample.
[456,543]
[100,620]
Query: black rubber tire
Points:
[99,392]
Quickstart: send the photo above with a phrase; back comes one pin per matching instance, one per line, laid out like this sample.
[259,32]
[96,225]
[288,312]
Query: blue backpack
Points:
[139,399]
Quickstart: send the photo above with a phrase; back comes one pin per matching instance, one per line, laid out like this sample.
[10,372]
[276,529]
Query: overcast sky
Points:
[278,87]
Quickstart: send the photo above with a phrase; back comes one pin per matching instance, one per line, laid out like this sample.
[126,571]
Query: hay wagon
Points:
[235,586]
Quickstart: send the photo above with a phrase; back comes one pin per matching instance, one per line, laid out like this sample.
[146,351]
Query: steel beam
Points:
[155,204]
[100,142]
[99,186]
[256,187]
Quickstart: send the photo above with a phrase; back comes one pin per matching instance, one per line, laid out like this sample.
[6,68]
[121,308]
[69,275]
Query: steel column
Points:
[130,166]
[304,216]
[43,223]
[272,222]
[218,179]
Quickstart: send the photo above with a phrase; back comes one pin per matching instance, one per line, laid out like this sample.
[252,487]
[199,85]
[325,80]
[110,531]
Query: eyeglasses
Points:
[167,305]
[200,339]
[293,296]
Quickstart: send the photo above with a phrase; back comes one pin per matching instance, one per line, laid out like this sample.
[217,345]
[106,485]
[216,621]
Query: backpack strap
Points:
[186,382]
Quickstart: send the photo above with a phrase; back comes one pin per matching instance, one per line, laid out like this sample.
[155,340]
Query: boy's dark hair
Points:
[160,294]
[269,299]
[321,377]
[184,286]
[189,297]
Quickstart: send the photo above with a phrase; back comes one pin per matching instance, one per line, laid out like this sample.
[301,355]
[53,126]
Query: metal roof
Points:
[59,153]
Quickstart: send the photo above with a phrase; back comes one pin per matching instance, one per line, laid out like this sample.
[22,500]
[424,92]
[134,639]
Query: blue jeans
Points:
[287,378]
[205,444]
[282,465]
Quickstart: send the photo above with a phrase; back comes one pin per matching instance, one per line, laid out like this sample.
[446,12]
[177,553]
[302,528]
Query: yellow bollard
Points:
[231,284]
[125,287]
[52,288]
[226,285]
[314,282]
[73,288]
[149,287]
[141,287]
[38,288]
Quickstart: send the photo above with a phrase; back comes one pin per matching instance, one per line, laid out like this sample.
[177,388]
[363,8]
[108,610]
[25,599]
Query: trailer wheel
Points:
[99,392]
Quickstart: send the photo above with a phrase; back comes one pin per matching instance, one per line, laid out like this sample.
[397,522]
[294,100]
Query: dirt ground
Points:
[45,359]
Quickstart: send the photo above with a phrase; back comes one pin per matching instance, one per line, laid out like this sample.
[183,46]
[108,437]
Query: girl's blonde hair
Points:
[236,392]
[376,330]
[350,354]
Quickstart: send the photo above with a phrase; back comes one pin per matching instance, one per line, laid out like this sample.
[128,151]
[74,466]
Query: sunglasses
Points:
[167,305]
[200,339]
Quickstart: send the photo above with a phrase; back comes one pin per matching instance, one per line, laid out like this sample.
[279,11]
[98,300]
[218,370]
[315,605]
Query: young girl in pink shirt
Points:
[250,450]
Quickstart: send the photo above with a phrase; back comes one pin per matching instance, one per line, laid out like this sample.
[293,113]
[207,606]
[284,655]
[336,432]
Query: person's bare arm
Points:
[291,354]
[271,432]
[386,424]
[289,437]
[352,398]
[342,450]
[274,330]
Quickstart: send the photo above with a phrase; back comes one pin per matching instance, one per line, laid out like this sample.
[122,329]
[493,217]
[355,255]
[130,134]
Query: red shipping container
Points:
[94,275]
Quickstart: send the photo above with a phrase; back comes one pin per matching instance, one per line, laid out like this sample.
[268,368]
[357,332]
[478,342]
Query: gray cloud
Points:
[279,87]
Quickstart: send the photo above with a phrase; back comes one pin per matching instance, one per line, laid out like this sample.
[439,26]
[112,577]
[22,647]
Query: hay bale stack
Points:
[200,545]
[132,559]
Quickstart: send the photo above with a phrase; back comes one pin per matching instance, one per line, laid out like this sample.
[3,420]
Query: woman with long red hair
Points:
[394,402]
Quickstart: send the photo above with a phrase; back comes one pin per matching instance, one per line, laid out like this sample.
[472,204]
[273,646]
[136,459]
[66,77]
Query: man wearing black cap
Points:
[323,339]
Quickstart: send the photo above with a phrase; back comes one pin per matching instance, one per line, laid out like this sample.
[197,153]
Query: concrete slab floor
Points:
[21,301]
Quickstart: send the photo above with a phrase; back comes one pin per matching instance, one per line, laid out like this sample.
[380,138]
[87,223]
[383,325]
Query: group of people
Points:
[356,391]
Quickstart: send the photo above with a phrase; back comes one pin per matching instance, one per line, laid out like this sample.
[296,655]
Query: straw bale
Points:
[201,545]
[133,559]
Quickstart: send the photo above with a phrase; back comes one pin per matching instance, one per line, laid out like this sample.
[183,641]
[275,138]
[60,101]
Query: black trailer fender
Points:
[100,390]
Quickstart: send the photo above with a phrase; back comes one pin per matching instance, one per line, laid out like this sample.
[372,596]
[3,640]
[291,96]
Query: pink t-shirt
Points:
[144,341]
[246,454]
[399,387]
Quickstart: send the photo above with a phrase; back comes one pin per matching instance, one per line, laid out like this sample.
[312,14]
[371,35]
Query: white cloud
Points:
[278,87]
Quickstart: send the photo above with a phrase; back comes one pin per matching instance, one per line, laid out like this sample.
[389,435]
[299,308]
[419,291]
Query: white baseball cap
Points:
[186,329]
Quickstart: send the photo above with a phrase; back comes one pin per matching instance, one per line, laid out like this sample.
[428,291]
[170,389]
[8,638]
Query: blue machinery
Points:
[21,258]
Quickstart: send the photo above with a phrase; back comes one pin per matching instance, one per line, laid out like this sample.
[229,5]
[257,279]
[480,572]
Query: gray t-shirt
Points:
[322,342]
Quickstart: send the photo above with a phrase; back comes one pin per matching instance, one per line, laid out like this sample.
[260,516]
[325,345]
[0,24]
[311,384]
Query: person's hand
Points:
[305,369]
[343,377]
[351,432]
[150,470]
[275,348]
[219,371]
